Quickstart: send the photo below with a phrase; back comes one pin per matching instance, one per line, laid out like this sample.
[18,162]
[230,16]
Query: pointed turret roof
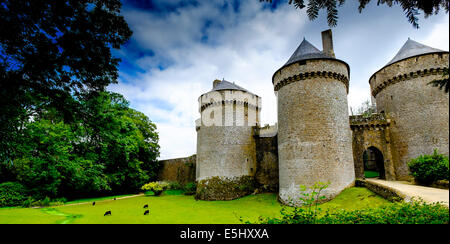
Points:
[410,49]
[226,85]
[306,51]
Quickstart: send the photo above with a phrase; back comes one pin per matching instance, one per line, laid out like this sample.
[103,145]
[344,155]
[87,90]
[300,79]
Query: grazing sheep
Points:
[146,206]
[146,212]
[107,213]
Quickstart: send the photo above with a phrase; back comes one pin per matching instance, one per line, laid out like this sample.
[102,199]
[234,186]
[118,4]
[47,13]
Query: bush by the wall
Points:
[427,169]
[12,194]
[173,185]
[156,187]
[190,188]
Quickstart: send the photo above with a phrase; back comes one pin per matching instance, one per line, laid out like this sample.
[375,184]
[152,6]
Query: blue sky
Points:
[179,47]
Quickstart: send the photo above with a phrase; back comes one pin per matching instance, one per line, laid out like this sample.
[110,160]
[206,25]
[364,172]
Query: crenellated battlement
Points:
[408,68]
[374,121]
[229,97]
[229,102]
[310,69]
[312,75]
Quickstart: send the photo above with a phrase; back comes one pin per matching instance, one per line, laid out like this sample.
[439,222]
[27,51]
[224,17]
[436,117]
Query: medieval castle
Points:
[315,139]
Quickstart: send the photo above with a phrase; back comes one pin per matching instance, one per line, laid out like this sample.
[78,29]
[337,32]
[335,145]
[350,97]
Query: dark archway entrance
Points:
[373,163]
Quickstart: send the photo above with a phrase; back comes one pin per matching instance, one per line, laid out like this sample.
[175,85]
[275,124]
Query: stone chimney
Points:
[216,82]
[327,43]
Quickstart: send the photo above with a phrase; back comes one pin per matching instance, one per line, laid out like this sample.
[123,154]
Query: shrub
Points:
[416,212]
[12,194]
[156,187]
[28,202]
[427,169]
[173,185]
[42,203]
[190,188]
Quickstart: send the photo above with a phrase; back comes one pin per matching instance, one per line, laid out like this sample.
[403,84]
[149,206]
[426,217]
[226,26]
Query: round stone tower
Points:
[226,156]
[314,136]
[419,111]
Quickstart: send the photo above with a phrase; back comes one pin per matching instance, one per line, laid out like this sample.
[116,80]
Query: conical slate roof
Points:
[306,51]
[410,49]
[226,85]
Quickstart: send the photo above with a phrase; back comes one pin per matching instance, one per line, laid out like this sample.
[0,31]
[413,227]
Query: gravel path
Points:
[428,194]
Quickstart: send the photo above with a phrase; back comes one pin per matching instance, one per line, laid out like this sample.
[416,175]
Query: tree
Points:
[111,148]
[410,7]
[124,140]
[50,53]
[442,83]
[365,109]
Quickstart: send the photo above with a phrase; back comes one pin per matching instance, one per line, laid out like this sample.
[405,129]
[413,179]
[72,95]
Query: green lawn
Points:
[371,174]
[177,209]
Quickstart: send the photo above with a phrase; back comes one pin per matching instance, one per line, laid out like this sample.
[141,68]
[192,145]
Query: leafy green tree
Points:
[410,8]
[110,148]
[48,166]
[51,51]
[124,139]
[61,134]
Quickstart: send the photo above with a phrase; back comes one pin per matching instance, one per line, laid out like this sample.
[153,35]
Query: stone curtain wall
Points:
[267,163]
[420,112]
[225,151]
[181,170]
[368,132]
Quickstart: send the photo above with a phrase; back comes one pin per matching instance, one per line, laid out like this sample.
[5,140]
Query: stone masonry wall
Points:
[225,151]
[267,163]
[420,112]
[181,170]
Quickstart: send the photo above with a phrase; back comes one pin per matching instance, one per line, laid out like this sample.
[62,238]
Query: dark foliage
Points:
[395,213]
[12,194]
[442,84]
[61,134]
[50,53]
[427,169]
[410,8]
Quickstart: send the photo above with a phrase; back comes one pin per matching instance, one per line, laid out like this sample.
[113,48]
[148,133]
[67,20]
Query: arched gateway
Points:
[371,135]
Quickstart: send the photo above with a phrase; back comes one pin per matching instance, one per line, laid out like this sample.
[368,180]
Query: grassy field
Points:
[174,208]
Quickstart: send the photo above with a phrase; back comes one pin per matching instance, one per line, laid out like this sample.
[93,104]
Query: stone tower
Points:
[226,157]
[419,111]
[314,136]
